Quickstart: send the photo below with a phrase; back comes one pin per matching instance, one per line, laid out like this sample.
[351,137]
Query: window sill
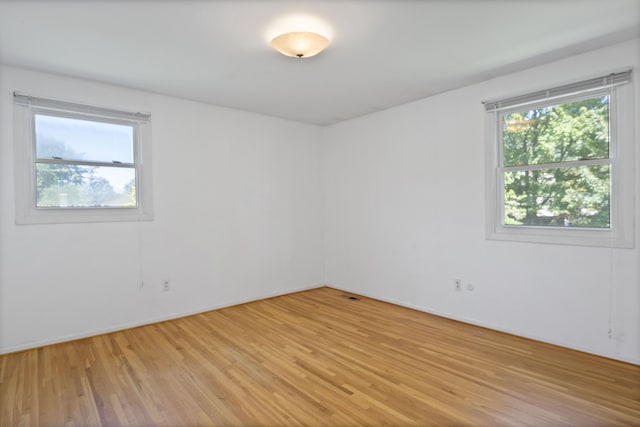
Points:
[564,236]
[79,215]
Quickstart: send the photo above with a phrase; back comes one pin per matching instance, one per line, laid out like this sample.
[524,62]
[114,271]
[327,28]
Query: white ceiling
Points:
[382,53]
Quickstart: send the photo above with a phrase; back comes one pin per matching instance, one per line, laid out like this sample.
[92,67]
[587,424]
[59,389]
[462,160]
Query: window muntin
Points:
[555,164]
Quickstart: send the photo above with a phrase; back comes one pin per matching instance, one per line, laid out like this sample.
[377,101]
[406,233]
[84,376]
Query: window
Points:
[76,163]
[560,164]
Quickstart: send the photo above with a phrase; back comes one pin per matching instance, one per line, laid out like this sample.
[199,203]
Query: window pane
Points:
[576,130]
[563,197]
[75,139]
[69,186]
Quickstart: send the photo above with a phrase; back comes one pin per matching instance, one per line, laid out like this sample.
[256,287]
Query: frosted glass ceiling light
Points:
[300,44]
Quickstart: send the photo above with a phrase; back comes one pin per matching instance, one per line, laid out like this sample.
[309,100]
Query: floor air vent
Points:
[351,297]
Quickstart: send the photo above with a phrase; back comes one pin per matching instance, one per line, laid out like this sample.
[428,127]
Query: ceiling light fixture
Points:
[300,44]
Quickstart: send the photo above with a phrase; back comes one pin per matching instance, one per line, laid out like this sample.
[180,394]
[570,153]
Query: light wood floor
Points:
[314,358]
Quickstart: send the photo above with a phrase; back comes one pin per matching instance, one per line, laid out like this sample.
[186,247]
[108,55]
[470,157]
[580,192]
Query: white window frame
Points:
[621,161]
[25,109]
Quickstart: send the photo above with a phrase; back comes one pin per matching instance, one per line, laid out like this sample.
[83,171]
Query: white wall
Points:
[241,202]
[237,217]
[404,213]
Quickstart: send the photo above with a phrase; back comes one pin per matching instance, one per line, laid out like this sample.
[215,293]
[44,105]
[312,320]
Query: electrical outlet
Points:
[166,286]
[458,285]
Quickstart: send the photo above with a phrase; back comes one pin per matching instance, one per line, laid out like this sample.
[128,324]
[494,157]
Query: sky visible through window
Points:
[75,139]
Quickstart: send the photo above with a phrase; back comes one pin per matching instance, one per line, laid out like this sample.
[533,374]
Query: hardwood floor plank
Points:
[314,358]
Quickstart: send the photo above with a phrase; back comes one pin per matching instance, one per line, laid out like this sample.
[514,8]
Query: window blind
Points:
[50,104]
[611,80]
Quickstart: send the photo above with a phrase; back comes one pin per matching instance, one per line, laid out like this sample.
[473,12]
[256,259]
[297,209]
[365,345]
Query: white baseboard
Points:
[572,346]
[158,319]
[120,327]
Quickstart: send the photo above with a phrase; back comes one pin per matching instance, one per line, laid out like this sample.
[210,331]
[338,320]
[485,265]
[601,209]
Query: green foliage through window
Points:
[63,185]
[556,167]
